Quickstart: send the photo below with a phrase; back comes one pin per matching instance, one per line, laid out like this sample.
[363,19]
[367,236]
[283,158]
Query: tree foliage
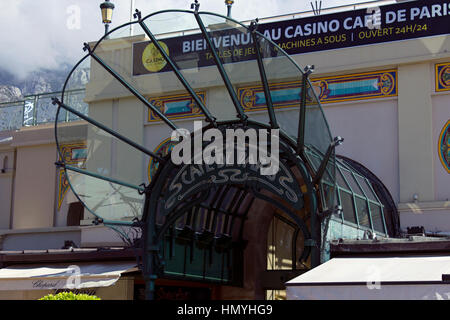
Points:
[69,296]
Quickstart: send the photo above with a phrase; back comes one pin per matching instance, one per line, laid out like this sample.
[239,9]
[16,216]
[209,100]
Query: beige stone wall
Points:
[407,162]
[372,57]
[415,133]
[24,295]
[6,185]
[123,289]
[35,187]
[359,123]
[419,111]
[402,154]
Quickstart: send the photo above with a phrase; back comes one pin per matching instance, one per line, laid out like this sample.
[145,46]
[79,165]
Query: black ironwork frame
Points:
[175,69]
[240,111]
[262,72]
[293,151]
[154,235]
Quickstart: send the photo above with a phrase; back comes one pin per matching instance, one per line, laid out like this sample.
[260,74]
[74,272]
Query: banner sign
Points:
[395,22]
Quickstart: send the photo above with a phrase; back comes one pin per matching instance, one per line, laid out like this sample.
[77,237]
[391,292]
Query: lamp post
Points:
[107,11]
[229,3]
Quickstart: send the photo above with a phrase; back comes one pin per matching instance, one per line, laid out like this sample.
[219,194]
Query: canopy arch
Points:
[202,211]
[261,89]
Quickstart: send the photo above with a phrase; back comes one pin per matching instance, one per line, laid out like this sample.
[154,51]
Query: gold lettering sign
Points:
[152,59]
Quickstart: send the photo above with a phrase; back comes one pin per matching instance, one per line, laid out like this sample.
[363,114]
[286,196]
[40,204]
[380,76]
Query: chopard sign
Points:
[42,284]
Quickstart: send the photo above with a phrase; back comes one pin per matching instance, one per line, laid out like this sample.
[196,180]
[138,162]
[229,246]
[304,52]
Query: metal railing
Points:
[38,109]
[129,31]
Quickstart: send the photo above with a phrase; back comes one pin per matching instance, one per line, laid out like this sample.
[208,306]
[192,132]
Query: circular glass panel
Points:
[178,67]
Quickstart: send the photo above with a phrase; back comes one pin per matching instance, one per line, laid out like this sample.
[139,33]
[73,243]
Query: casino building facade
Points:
[381,81]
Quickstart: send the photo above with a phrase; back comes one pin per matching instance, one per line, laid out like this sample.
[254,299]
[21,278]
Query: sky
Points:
[47,33]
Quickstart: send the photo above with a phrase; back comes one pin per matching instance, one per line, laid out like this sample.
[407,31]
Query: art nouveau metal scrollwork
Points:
[193,216]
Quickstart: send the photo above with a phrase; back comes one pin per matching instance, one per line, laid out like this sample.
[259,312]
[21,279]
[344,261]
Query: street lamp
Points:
[229,3]
[107,11]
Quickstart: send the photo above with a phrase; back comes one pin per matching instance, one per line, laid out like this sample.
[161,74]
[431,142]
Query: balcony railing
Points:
[38,109]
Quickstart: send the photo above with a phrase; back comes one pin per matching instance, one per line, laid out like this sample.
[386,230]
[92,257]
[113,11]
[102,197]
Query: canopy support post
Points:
[150,267]
[302,114]
[263,75]
[336,142]
[240,111]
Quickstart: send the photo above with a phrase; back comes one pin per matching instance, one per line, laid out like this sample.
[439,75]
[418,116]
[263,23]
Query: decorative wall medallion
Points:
[443,77]
[444,146]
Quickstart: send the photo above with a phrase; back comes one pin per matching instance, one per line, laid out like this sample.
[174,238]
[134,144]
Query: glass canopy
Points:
[182,66]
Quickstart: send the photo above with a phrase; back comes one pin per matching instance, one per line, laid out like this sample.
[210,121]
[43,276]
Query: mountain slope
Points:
[41,81]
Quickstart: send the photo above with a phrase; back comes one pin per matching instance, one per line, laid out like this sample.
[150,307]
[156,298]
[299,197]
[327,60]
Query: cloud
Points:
[47,33]
[36,34]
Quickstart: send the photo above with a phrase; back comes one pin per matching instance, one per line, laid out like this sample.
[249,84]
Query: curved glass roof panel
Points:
[180,66]
[368,191]
[355,194]
[360,204]
[232,42]
[351,181]
[348,206]
[317,132]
